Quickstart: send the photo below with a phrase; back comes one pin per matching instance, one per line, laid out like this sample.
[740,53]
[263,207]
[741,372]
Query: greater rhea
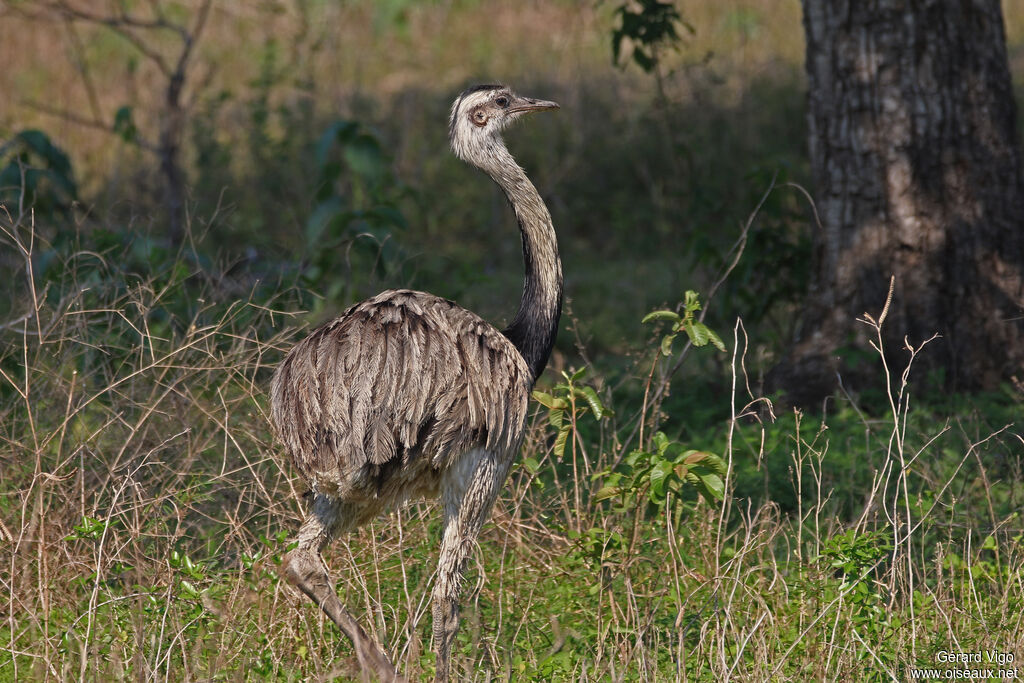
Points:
[409,395]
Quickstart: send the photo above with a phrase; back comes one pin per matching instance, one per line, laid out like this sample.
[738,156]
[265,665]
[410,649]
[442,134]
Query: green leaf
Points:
[659,474]
[660,442]
[124,125]
[556,418]
[708,484]
[189,589]
[704,459]
[606,492]
[560,440]
[666,344]
[661,315]
[716,341]
[590,396]
[549,401]
[365,157]
[713,485]
[698,333]
[691,301]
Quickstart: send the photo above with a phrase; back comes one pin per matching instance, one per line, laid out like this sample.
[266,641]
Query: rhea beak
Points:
[528,104]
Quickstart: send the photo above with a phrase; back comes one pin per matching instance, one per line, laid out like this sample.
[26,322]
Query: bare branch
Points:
[190,39]
[82,65]
[123,24]
[85,121]
[123,19]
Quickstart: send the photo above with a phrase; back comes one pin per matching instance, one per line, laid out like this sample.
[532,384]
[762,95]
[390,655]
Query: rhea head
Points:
[478,117]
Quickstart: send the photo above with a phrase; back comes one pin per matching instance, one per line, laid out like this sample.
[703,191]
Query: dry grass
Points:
[340,54]
[144,510]
[134,437]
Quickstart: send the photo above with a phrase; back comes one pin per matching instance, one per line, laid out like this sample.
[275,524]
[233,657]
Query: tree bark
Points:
[913,148]
[169,153]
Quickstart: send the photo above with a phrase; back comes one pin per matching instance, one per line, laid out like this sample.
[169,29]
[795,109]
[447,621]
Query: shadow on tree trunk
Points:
[913,141]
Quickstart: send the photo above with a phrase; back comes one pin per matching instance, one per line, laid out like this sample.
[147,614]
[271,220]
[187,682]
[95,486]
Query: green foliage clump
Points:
[654,477]
[36,174]
[698,333]
[649,25]
[569,401]
[356,211]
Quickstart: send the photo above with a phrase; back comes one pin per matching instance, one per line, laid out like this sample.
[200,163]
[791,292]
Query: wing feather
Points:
[397,377]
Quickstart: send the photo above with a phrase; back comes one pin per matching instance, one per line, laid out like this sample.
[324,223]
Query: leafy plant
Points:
[856,557]
[356,205]
[124,124]
[90,528]
[648,25]
[567,402]
[653,476]
[597,543]
[853,555]
[33,167]
[699,333]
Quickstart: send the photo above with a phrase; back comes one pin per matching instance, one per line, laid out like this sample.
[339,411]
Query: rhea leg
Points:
[305,569]
[467,505]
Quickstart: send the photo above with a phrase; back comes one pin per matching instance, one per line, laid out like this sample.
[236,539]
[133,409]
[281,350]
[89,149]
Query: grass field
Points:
[146,511]
[144,508]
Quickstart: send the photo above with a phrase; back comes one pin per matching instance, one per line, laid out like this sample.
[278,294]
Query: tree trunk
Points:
[169,152]
[917,174]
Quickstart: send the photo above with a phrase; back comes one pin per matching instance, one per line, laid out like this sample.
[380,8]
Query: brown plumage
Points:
[375,404]
[410,395]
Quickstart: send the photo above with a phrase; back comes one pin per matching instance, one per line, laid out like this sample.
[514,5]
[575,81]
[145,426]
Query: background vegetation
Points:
[666,522]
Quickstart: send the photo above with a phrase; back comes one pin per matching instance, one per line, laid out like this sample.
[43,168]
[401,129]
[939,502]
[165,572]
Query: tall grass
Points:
[134,444]
[144,510]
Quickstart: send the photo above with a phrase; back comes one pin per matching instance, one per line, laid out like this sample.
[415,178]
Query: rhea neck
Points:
[535,326]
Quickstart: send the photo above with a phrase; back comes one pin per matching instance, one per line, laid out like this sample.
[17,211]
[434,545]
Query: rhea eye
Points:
[501,101]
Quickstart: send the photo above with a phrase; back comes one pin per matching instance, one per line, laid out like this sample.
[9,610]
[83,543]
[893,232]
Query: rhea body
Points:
[410,395]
